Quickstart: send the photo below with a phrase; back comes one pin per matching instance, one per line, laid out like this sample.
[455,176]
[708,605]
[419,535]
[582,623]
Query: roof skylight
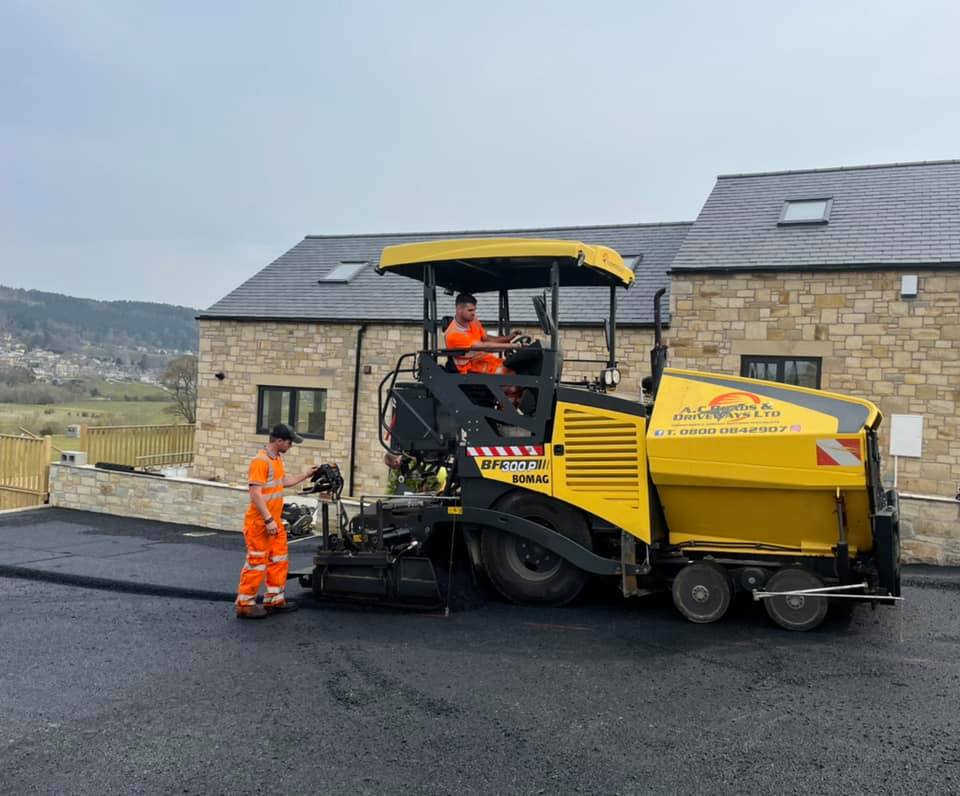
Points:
[345,271]
[806,211]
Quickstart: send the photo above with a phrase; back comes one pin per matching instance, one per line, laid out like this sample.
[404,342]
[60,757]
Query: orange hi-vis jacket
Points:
[267,554]
[457,336]
[266,473]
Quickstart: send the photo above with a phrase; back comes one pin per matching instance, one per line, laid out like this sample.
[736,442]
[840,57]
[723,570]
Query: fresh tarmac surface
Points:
[108,691]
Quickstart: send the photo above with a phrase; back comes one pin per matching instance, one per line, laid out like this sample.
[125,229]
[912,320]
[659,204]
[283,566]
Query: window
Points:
[802,371]
[806,211]
[305,411]
[632,261]
[345,271]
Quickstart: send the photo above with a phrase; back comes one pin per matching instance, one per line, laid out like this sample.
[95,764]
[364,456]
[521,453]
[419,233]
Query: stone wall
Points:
[180,501]
[930,532]
[306,355]
[311,355]
[900,353]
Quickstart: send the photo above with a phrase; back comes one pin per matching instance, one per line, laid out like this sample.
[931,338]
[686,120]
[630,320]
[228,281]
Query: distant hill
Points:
[60,323]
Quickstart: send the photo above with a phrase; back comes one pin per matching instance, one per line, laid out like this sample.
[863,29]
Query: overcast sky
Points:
[166,151]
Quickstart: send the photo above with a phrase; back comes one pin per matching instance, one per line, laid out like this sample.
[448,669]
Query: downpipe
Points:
[361,330]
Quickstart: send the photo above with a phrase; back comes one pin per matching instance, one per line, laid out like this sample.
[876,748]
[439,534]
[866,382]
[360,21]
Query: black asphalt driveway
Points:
[125,672]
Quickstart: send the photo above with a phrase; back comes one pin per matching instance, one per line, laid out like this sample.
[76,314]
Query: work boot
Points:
[251,612]
[286,607]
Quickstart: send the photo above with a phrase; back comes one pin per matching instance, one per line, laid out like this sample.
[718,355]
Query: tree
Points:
[180,378]
[15,375]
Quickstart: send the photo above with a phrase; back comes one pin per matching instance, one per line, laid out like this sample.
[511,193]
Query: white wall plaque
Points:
[906,435]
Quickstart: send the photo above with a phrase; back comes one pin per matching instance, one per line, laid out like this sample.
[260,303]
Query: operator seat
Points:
[449,366]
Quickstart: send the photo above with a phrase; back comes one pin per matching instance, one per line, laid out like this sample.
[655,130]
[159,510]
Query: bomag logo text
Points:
[513,465]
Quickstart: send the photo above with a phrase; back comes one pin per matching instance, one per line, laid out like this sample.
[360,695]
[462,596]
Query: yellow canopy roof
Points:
[481,264]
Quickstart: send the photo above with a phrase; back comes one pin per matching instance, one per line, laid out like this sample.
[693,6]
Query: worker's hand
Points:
[521,340]
[272,528]
[310,471]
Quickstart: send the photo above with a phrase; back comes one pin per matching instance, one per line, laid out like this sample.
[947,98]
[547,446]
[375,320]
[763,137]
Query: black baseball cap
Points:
[280,431]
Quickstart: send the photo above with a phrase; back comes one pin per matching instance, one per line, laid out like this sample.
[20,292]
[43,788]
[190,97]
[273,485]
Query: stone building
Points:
[848,280]
[844,279]
[309,338]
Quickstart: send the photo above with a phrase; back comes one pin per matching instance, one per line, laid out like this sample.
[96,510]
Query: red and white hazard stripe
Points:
[839,452]
[506,450]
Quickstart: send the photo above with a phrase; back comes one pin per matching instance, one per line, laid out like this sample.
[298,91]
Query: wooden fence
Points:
[24,471]
[138,446]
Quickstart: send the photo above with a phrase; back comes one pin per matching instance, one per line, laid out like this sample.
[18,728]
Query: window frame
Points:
[292,412]
[824,219]
[780,361]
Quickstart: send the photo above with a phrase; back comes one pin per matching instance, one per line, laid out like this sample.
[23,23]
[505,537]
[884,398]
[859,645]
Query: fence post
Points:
[45,478]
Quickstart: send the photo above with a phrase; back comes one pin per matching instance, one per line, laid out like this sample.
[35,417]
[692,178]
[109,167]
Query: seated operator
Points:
[466,332]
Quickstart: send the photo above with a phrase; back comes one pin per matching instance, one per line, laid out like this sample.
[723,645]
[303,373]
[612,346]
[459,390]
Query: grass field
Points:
[117,391]
[110,409]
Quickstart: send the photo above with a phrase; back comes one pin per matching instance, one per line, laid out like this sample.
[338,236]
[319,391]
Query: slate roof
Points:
[393,298]
[882,216]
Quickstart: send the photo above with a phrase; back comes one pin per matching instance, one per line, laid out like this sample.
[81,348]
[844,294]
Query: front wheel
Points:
[525,572]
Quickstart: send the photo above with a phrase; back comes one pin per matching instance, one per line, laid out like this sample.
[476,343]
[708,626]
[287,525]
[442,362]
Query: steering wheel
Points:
[522,339]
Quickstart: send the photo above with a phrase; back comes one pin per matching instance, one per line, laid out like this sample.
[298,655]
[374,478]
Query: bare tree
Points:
[180,378]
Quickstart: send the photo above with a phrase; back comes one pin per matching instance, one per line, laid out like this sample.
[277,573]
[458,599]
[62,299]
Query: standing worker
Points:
[263,530]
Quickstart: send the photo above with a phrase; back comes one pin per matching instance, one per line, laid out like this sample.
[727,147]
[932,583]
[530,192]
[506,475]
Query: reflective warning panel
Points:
[506,450]
[839,453]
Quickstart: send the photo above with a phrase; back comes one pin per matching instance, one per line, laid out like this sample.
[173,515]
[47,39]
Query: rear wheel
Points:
[702,592]
[525,572]
[796,611]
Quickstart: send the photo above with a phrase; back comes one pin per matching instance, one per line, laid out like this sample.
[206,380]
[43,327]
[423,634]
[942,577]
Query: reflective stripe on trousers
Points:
[259,544]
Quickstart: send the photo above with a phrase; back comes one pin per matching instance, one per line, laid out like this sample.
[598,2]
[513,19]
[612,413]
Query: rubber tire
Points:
[794,579]
[712,576]
[561,587]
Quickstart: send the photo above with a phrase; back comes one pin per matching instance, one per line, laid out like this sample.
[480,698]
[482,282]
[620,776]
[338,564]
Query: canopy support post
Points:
[612,342]
[429,308]
[555,304]
[503,317]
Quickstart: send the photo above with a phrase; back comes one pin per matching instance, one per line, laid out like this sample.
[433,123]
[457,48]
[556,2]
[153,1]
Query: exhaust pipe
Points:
[658,354]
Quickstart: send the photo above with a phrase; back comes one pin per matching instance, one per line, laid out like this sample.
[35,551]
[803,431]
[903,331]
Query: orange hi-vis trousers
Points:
[266,557]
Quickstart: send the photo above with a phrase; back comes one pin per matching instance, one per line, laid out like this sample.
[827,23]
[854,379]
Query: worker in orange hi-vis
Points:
[466,332]
[263,529]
